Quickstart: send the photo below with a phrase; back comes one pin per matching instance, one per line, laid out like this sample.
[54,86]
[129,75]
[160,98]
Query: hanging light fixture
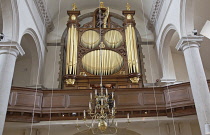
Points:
[102,110]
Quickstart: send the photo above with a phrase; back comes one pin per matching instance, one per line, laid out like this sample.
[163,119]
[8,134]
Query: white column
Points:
[8,56]
[198,82]
[7,64]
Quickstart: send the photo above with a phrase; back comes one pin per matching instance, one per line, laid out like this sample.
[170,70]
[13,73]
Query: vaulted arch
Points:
[28,67]
[170,58]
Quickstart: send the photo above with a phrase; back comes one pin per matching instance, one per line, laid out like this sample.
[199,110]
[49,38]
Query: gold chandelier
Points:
[102,110]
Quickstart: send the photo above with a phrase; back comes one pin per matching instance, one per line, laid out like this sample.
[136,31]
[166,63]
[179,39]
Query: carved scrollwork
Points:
[88,25]
[122,52]
[81,53]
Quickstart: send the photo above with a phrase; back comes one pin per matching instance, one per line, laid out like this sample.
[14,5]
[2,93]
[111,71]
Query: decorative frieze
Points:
[154,14]
[41,6]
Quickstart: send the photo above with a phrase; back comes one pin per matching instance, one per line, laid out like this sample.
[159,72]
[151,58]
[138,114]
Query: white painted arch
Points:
[33,61]
[172,62]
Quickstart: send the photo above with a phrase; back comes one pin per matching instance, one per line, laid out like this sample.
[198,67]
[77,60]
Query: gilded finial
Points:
[102,5]
[74,6]
[128,6]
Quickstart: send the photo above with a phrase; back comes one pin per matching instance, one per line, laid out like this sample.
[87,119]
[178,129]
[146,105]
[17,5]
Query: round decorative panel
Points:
[107,62]
[90,39]
[113,38]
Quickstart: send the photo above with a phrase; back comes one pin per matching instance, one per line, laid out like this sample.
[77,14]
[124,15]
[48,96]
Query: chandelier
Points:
[102,110]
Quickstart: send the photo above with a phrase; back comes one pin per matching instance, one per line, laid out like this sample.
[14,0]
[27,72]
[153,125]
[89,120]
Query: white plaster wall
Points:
[22,73]
[207,72]
[167,64]
[150,63]
[51,71]
[180,67]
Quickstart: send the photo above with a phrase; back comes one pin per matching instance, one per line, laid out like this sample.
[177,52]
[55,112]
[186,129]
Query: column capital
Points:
[189,41]
[11,51]
[13,45]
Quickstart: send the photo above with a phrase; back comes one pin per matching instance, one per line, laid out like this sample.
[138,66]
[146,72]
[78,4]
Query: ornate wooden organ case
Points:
[101,47]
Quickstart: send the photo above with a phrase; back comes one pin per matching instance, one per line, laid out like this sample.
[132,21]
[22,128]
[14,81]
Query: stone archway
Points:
[27,67]
[170,58]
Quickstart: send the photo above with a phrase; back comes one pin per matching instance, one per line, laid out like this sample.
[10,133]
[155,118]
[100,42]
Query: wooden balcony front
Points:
[69,104]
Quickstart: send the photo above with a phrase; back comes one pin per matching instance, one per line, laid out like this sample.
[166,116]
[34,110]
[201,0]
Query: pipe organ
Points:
[101,47]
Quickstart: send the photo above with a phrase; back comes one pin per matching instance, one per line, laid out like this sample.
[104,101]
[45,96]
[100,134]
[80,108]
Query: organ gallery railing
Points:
[69,104]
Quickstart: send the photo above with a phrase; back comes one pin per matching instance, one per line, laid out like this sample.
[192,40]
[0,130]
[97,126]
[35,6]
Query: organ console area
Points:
[105,47]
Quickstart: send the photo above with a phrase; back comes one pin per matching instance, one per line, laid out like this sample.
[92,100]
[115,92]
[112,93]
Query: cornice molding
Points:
[155,11]
[46,19]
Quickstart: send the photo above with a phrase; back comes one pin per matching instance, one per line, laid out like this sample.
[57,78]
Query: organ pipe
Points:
[71,52]
[133,65]
[106,62]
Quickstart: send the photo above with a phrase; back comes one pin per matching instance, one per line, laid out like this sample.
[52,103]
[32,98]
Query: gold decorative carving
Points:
[102,45]
[102,5]
[74,6]
[134,79]
[70,81]
[83,73]
[128,6]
